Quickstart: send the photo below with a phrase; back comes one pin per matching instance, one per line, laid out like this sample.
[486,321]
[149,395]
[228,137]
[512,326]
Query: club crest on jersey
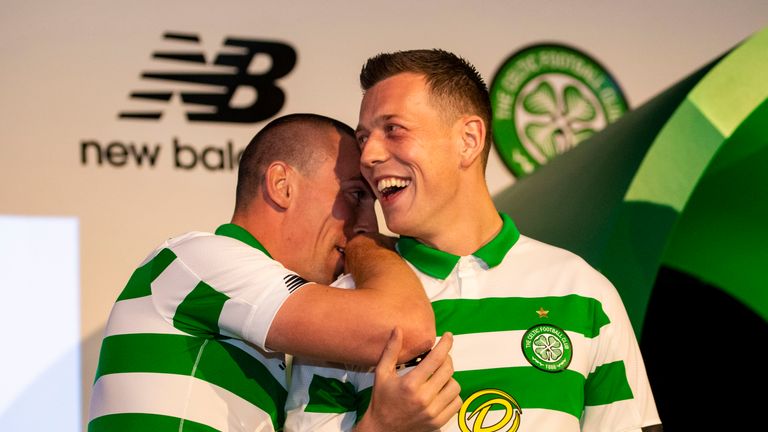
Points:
[490,410]
[547,348]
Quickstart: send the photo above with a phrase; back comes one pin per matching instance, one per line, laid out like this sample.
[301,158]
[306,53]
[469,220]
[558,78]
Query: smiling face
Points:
[332,204]
[410,155]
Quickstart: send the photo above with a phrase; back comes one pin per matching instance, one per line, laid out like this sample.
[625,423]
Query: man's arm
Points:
[351,326]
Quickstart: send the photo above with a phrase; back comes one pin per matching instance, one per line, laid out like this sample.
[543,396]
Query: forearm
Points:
[388,283]
[351,326]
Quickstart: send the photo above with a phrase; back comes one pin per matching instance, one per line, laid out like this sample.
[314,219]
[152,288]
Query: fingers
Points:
[441,377]
[450,409]
[434,360]
[448,396]
[388,359]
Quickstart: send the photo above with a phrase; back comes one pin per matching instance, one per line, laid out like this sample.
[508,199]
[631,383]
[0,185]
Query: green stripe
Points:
[572,313]
[363,400]
[330,395]
[565,391]
[139,283]
[134,422]
[531,388]
[607,384]
[199,312]
[220,363]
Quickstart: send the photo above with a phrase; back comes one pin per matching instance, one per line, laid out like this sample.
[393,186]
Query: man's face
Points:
[410,154]
[333,204]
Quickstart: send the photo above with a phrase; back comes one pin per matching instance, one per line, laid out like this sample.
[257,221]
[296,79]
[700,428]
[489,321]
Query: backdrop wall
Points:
[88,133]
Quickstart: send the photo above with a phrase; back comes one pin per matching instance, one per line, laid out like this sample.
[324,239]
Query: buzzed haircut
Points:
[292,139]
[457,88]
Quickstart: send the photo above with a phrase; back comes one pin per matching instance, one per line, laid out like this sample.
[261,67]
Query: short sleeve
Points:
[219,286]
[617,392]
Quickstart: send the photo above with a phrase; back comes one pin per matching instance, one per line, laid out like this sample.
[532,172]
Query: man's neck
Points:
[264,226]
[473,225]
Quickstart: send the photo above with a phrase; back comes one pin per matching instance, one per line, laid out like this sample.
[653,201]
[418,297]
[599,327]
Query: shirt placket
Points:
[467,276]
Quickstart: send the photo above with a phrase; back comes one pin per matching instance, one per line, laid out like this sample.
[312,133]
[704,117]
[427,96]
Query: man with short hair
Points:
[542,341]
[195,340]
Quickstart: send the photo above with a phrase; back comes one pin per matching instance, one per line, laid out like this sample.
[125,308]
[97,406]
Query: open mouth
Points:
[390,186]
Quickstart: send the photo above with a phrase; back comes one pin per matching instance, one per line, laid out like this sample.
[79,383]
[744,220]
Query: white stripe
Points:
[622,415]
[302,421]
[157,393]
[236,315]
[476,351]
[138,315]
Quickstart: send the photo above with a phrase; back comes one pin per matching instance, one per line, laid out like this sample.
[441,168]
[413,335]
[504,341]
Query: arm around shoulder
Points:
[352,326]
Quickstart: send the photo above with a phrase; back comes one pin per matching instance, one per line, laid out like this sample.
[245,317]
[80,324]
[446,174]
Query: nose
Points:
[366,221]
[374,151]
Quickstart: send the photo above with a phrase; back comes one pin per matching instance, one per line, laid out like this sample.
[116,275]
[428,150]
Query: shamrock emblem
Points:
[556,114]
[548,347]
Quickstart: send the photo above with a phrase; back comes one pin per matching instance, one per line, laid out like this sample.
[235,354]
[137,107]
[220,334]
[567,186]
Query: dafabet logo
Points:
[490,410]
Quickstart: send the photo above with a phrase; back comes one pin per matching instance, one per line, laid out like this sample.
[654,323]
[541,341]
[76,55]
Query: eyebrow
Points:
[379,119]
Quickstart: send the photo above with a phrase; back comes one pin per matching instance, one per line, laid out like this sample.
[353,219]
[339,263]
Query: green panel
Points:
[721,237]
[607,384]
[199,312]
[219,363]
[132,422]
[673,166]
[736,85]
[662,186]
[572,313]
[139,283]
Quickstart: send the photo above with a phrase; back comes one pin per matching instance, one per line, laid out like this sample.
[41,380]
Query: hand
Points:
[424,399]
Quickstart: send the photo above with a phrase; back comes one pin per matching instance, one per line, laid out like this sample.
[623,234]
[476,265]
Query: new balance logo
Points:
[293,282]
[212,97]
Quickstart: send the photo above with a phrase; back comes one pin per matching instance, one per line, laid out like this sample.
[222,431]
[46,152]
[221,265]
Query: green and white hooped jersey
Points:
[542,342]
[184,348]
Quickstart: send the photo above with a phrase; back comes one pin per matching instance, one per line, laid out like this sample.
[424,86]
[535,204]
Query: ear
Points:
[278,179]
[472,129]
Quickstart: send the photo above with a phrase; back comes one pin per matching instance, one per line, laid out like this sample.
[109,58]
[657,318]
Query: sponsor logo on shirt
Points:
[505,412]
[293,282]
